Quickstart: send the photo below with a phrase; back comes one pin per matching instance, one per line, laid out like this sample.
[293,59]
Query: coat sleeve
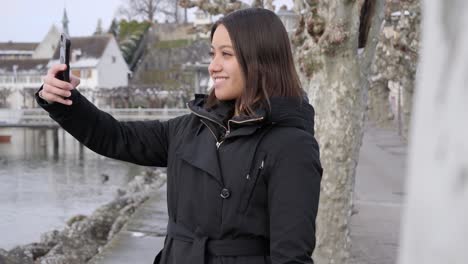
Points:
[140,142]
[293,197]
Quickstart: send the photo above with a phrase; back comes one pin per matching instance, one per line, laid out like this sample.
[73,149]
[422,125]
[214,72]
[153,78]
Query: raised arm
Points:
[140,142]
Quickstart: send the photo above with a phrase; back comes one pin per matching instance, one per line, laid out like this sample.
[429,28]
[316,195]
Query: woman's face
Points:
[224,69]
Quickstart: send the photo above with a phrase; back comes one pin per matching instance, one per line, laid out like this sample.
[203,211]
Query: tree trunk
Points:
[378,104]
[335,76]
[408,44]
[395,63]
[176,12]
[435,221]
[151,4]
[382,68]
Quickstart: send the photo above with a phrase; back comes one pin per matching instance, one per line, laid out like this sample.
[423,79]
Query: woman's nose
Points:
[214,66]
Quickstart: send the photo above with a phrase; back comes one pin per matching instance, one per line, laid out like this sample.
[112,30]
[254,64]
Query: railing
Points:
[39,116]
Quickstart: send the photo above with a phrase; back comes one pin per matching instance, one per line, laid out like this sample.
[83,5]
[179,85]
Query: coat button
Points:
[225,193]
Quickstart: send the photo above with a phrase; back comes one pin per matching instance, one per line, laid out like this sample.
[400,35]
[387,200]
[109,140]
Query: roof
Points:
[91,47]
[81,63]
[24,64]
[19,46]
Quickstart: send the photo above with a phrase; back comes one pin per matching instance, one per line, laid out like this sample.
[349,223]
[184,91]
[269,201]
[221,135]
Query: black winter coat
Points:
[245,191]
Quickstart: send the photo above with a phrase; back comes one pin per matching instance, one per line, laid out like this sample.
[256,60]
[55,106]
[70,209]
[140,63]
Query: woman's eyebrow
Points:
[223,46]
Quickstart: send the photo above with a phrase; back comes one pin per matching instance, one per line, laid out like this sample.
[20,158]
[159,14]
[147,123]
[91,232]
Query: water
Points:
[39,193]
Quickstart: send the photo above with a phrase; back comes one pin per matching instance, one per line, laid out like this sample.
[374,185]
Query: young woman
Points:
[243,167]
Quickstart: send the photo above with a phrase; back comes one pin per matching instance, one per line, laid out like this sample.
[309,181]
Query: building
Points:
[98,62]
[46,48]
[202,20]
[22,66]
[16,51]
[20,50]
[19,79]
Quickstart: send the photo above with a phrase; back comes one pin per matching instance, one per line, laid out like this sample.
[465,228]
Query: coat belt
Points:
[203,245]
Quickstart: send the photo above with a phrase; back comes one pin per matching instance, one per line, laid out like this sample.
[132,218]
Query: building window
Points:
[86,73]
[76,73]
[75,54]
[114,59]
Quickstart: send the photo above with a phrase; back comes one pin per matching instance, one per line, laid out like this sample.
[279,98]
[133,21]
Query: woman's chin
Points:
[220,95]
[224,94]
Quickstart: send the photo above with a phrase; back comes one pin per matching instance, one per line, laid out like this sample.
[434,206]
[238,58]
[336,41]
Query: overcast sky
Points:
[30,20]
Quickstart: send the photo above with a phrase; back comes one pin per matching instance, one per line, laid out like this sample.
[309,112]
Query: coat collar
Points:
[219,116]
[285,111]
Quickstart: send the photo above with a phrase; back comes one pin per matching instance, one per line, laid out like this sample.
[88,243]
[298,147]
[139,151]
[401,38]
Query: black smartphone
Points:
[64,46]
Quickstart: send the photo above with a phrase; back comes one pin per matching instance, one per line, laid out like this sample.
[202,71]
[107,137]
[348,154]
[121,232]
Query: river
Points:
[40,192]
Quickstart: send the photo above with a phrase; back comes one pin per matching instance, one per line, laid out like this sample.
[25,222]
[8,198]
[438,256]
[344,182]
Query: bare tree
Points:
[4,94]
[126,13]
[334,69]
[214,7]
[394,68]
[150,9]
[145,9]
[171,10]
[434,226]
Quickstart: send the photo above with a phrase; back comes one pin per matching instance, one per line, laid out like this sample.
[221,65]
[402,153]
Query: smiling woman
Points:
[243,168]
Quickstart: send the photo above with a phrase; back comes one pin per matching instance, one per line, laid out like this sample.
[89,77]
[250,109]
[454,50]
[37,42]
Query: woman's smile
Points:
[219,81]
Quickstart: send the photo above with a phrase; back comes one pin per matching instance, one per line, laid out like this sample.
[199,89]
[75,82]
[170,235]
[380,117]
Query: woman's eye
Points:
[211,53]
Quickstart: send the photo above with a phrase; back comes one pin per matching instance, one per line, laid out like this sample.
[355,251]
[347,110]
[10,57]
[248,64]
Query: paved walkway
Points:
[143,236]
[379,194]
[374,229]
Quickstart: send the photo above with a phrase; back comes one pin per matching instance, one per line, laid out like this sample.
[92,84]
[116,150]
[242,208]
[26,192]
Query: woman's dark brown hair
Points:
[262,48]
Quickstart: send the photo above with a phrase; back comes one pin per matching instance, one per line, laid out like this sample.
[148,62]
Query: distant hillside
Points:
[168,47]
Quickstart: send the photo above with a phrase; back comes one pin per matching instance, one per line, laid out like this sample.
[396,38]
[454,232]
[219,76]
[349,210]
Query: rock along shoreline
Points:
[85,236]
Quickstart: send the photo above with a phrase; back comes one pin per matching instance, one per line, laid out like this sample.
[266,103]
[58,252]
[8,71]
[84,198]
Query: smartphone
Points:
[64,46]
